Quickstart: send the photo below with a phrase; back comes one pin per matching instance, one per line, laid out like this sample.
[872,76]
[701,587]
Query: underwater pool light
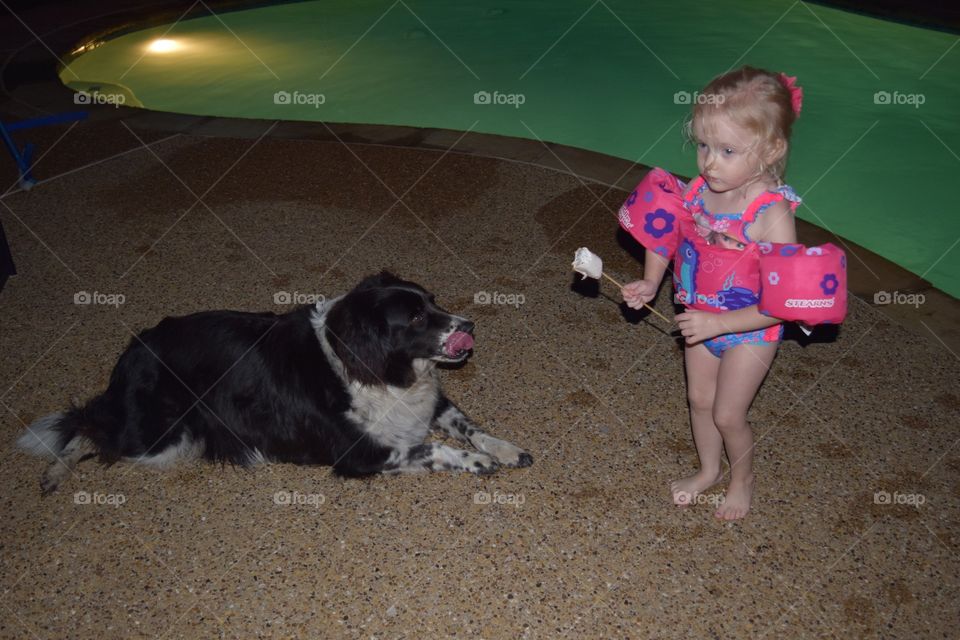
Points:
[163,45]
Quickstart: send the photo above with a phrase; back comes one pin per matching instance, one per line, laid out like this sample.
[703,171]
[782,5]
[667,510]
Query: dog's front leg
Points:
[433,456]
[452,421]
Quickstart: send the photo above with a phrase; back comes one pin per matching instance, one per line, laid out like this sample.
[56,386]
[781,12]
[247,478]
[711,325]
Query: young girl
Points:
[741,125]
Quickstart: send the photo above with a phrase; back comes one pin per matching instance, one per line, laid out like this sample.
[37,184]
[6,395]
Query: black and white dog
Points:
[350,383]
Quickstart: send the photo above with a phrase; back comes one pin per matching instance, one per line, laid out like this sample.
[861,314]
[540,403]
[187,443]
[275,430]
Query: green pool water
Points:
[875,152]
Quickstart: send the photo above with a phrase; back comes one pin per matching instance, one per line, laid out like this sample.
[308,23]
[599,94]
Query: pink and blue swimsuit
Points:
[707,276]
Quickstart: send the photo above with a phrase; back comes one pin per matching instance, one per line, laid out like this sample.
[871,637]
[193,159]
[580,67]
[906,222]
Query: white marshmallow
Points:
[587,264]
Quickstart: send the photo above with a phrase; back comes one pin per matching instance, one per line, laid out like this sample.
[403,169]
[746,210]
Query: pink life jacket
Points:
[714,278]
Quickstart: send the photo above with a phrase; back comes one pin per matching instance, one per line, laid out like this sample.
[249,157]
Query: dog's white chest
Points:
[397,417]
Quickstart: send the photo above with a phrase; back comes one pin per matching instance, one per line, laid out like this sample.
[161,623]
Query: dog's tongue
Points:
[457,342]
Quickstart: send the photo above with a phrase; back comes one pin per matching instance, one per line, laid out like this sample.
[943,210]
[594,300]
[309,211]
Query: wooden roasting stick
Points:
[590,265]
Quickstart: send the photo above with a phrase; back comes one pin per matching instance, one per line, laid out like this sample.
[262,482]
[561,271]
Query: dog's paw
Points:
[508,455]
[49,482]
[525,460]
[480,463]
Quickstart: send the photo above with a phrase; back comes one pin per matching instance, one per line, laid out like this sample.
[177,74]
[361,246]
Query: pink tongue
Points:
[458,341]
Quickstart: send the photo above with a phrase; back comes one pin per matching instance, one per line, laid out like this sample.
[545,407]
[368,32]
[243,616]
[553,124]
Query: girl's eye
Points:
[729,151]
[701,146]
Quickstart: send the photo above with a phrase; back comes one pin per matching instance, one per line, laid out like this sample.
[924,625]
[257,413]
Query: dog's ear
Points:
[360,339]
[360,336]
[399,370]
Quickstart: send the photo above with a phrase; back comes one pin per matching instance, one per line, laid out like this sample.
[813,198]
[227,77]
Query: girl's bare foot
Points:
[685,491]
[736,504]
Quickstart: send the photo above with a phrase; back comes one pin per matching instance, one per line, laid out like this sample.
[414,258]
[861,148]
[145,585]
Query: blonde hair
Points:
[756,100]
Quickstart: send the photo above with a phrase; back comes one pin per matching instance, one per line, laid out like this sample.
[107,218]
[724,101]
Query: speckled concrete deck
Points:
[583,544]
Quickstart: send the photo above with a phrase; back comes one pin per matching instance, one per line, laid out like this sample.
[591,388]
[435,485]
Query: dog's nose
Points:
[467,325]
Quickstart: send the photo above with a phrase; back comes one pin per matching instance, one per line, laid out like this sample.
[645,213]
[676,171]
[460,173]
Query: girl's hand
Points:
[638,293]
[697,326]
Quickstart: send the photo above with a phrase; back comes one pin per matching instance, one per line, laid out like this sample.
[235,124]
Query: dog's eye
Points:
[419,319]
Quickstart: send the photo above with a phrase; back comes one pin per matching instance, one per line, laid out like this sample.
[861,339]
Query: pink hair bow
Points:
[796,93]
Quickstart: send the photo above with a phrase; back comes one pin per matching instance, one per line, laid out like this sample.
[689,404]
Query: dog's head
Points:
[384,325]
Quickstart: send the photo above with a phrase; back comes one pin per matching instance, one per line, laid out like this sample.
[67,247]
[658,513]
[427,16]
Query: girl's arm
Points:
[654,266]
[640,292]
[775,224]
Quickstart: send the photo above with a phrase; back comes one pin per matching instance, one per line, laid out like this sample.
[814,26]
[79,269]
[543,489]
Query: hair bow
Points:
[796,93]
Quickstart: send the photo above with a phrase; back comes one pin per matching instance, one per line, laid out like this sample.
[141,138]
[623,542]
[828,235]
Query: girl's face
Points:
[727,154]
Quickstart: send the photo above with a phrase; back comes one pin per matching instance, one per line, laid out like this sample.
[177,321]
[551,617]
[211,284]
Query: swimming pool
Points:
[875,150]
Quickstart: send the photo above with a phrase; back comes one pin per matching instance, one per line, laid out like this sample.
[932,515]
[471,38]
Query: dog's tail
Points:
[48,436]
[57,437]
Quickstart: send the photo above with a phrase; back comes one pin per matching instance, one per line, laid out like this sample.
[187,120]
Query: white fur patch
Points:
[319,321]
[397,417]
[448,419]
[40,439]
[318,318]
[455,458]
[502,451]
[186,449]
